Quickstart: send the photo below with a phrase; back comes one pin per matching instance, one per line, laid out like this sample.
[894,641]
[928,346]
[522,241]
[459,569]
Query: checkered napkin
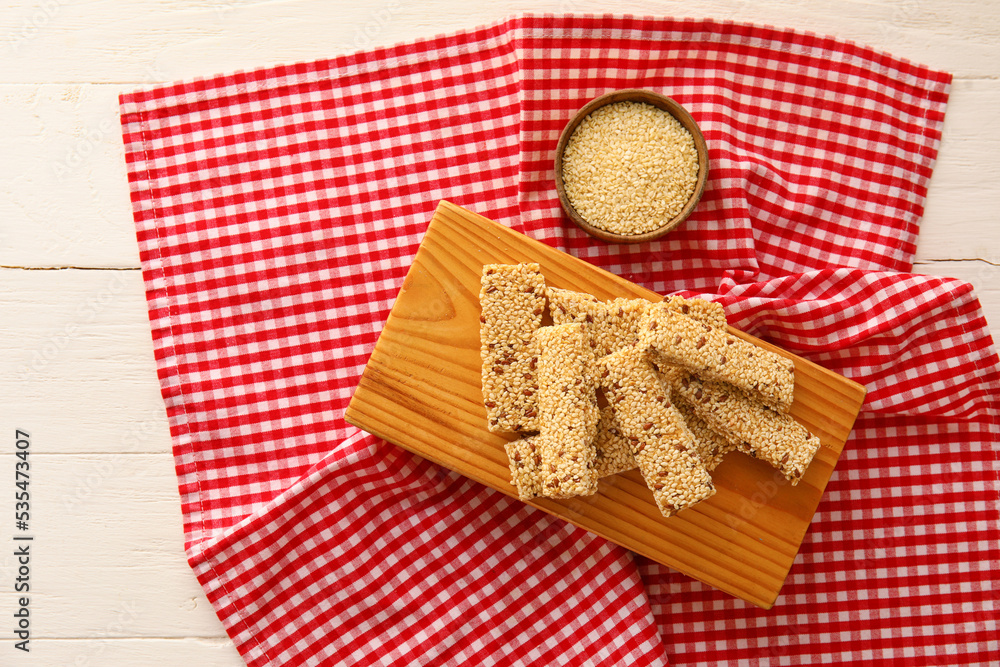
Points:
[277,212]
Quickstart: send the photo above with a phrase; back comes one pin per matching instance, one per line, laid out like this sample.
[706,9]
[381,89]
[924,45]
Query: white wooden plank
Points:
[964,195]
[161,652]
[64,198]
[76,360]
[151,40]
[107,556]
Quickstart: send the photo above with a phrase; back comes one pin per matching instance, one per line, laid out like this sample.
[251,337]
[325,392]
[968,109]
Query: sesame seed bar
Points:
[668,374]
[616,323]
[620,325]
[761,373]
[761,432]
[678,340]
[672,338]
[525,467]
[613,454]
[613,450]
[568,412]
[711,446]
[662,445]
[512,297]
[706,312]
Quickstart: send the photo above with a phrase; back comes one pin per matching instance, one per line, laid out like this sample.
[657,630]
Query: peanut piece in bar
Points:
[513,301]
[662,445]
[568,412]
[761,432]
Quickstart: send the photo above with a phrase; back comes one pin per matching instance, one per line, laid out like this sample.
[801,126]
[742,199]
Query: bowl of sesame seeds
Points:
[630,166]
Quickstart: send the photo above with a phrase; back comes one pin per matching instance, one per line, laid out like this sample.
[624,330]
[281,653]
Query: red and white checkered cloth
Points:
[277,212]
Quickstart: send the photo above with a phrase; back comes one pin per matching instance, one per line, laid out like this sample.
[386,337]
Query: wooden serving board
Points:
[421,390]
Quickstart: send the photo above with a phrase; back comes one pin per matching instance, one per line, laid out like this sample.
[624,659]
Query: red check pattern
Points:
[278,210]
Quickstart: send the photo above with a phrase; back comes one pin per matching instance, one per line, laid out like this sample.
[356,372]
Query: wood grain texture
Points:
[421,390]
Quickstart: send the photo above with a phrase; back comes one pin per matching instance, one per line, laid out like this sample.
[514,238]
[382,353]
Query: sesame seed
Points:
[630,168]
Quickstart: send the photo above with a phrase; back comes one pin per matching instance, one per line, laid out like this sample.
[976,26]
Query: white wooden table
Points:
[110,584]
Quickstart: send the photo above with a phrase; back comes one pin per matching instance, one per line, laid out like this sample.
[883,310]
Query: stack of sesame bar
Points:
[610,386]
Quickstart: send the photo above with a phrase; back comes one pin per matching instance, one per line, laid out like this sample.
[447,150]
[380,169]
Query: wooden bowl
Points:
[659,101]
